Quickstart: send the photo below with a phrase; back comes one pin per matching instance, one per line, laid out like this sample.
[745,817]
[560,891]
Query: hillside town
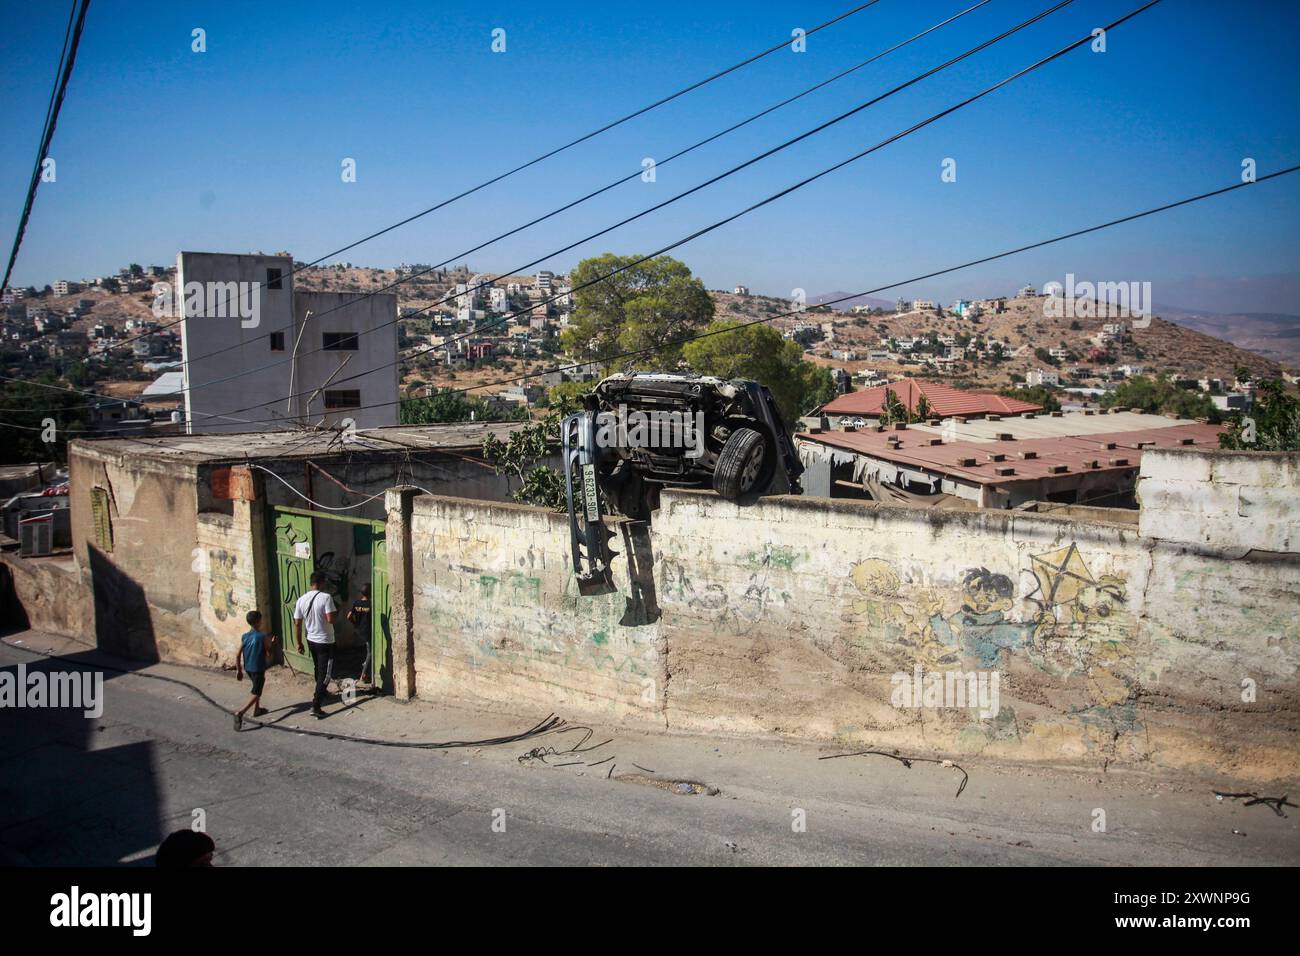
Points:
[458,328]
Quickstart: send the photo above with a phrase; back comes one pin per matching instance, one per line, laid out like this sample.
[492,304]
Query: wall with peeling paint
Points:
[797,616]
[496,615]
[182,569]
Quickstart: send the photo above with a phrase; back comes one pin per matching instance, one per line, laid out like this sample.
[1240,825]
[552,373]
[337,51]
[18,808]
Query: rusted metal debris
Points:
[907,762]
[1273,803]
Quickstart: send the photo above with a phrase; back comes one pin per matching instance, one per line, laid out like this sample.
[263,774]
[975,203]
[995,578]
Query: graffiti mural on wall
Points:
[221,577]
[1085,628]
[734,614]
[1071,624]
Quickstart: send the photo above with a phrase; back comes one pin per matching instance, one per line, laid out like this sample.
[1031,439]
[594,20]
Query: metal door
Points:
[293,567]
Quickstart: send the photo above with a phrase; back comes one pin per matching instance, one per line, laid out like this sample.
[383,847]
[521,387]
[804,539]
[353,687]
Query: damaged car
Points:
[640,432]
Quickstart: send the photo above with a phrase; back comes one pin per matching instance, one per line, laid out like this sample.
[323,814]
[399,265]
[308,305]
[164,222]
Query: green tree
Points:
[759,353]
[452,406]
[1161,396]
[30,410]
[1272,425]
[1038,394]
[892,409]
[566,394]
[646,306]
[519,457]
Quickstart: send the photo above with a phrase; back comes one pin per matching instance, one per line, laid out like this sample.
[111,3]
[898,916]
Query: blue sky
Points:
[239,148]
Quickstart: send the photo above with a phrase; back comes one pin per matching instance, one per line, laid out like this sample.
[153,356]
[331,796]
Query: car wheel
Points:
[742,464]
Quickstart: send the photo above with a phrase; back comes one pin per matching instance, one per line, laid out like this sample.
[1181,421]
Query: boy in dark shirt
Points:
[359,617]
[254,655]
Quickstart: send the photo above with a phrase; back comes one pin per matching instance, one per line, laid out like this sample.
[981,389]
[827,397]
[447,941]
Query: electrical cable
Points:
[570,205]
[581,139]
[782,193]
[1286,171]
[882,288]
[52,119]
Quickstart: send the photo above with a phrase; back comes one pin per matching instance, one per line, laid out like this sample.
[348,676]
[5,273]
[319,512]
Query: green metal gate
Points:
[294,561]
[293,567]
[381,603]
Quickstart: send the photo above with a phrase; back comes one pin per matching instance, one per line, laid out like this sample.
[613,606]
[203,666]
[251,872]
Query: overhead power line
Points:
[1029,247]
[674,199]
[569,145]
[766,201]
[542,218]
[47,135]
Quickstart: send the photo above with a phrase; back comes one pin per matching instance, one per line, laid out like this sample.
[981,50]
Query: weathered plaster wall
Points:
[51,594]
[496,616]
[145,591]
[183,570]
[1229,502]
[225,564]
[794,615]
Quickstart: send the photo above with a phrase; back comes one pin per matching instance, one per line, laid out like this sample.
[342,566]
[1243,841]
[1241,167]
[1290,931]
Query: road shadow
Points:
[68,801]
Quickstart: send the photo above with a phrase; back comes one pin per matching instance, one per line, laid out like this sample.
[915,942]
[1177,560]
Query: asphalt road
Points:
[105,790]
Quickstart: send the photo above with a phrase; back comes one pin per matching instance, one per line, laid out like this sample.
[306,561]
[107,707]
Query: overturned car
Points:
[639,432]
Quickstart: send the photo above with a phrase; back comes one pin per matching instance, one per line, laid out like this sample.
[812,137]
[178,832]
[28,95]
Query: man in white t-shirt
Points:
[318,610]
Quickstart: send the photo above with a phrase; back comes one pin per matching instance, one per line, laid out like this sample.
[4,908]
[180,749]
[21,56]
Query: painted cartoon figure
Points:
[887,615]
[880,603]
[981,629]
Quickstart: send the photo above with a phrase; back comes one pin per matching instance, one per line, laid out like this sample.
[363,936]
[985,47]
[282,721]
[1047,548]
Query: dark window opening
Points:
[277,341]
[273,278]
[342,398]
[340,341]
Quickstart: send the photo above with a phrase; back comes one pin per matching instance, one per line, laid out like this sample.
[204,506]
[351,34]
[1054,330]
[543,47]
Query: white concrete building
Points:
[315,342]
[1042,376]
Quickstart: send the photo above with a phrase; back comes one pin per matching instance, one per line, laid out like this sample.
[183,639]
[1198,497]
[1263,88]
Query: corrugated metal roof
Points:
[977,462]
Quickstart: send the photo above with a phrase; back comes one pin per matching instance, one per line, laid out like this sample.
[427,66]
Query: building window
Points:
[277,341]
[340,341]
[342,398]
[273,279]
[101,518]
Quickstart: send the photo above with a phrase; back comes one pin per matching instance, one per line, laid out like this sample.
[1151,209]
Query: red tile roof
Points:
[945,401]
[924,450]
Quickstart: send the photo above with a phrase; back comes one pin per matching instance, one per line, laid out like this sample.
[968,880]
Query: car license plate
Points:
[589,492]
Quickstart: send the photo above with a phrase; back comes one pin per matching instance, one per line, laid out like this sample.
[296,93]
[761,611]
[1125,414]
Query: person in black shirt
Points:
[359,618]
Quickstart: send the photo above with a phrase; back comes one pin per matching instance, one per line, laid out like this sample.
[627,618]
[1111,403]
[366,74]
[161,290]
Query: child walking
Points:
[254,655]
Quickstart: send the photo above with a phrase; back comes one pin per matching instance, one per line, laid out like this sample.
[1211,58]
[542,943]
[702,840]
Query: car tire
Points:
[743,464]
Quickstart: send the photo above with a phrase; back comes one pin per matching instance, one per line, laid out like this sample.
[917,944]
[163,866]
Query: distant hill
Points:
[1192,347]
[1274,335]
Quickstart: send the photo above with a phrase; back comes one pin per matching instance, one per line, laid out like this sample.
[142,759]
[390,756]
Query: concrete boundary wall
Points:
[495,615]
[794,615]
[1227,502]
[808,617]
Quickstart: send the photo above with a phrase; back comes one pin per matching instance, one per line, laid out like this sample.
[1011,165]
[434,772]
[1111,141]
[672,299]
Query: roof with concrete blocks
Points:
[1009,459]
